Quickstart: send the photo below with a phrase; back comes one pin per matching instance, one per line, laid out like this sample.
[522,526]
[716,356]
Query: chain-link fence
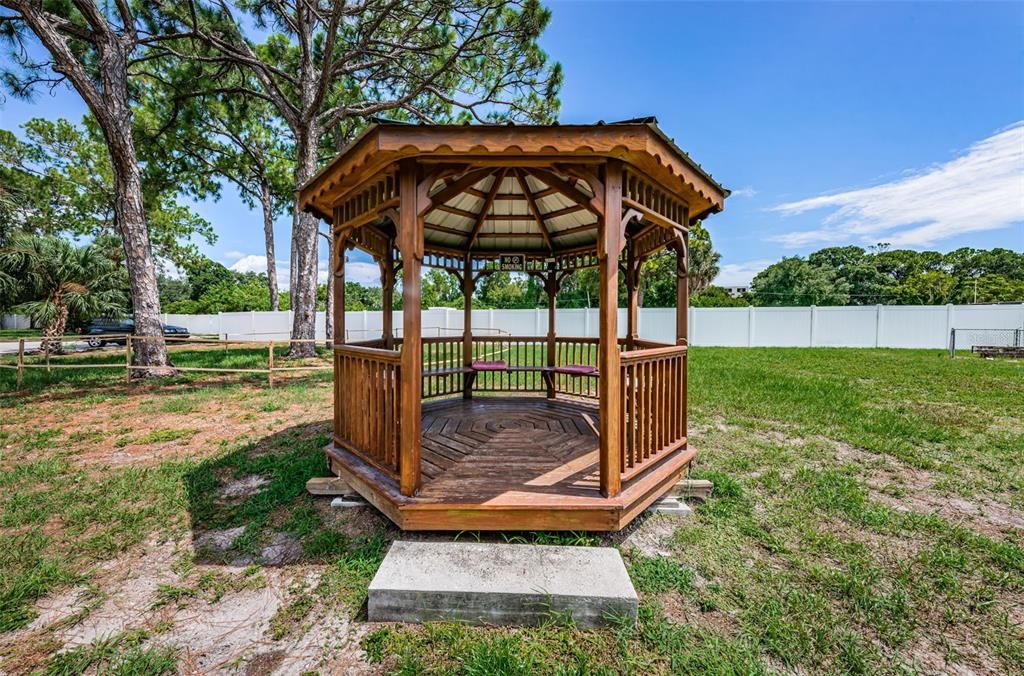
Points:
[987,342]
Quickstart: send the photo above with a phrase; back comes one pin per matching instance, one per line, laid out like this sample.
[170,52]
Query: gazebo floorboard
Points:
[500,463]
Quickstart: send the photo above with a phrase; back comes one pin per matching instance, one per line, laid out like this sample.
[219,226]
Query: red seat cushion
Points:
[490,366]
[576,369]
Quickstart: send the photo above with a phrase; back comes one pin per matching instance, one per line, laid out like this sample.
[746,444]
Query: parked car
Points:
[99,332]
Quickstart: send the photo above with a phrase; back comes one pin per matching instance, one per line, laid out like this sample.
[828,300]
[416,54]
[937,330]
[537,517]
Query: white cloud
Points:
[234,255]
[983,189]
[367,274]
[743,192]
[253,263]
[740,274]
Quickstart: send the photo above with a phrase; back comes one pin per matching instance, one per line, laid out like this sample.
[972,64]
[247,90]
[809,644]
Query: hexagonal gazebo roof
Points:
[501,189]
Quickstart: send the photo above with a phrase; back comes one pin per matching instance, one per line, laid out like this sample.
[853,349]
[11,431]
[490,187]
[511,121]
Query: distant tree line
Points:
[210,287]
[851,275]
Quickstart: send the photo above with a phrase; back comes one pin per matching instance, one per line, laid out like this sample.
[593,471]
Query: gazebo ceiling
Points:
[523,188]
[512,209]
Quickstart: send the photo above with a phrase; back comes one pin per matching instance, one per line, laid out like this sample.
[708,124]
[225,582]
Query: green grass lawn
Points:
[14,334]
[867,517]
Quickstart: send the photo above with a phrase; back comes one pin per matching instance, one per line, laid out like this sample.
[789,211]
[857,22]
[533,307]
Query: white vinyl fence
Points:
[908,326]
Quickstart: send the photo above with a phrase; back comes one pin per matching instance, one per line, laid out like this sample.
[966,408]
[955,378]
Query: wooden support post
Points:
[468,286]
[609,246]
[632,297]
[128,358]
[21,362]
[338,270]
[387,284]
[410,243]
[270,364]
[683,314]
[682,293]
[551,286]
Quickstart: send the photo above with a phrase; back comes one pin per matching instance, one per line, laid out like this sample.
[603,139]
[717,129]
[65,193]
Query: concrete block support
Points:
[501,584]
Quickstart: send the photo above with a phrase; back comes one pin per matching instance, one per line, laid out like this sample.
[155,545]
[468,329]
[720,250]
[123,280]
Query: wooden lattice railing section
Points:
[442,366]
[367,404]
[653,394]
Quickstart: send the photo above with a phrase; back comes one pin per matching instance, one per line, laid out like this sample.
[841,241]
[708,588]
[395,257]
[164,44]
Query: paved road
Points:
[33,345]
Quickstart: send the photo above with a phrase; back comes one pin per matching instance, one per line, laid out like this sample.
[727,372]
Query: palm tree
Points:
[60,280]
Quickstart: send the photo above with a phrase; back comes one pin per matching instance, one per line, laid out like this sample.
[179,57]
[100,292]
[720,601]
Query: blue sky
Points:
[833,123]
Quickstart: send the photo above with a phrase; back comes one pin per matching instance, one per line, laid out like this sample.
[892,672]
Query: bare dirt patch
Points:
[283,548]
[683,610]
[650,535]
[241,488]
[133,430]
[906,488]
[226,632]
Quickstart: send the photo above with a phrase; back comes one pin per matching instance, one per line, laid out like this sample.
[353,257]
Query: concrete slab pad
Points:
[671,506]
[348,502]
[500,584]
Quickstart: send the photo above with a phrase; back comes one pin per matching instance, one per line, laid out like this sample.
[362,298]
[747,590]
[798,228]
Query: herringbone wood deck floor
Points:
[481,449]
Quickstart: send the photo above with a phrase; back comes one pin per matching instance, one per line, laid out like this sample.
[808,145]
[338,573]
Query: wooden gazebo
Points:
[497,432]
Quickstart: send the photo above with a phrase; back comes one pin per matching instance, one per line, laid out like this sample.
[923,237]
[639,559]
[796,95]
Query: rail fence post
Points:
[814,325]
[949,317]
[21,362]
[751,315]
[952,343]
[270,364]
[879,309]
[128,359]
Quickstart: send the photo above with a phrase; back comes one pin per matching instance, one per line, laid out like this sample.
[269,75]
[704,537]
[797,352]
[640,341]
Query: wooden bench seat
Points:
[448,371]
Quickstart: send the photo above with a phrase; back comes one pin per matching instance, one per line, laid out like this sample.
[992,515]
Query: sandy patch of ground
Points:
[683,610]
[123,431]
[906,488]
[218,634]
[130,585]
[242,487]
[649,535]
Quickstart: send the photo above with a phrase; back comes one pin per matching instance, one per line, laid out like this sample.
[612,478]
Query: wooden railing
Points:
[367,417]
[367,404]
[442,366]
[525,355]
[653,409]
[581,351]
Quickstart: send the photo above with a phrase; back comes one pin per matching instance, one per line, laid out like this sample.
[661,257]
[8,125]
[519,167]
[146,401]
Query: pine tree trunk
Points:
[108,100]
[304,259]
[268,234]
[115,120]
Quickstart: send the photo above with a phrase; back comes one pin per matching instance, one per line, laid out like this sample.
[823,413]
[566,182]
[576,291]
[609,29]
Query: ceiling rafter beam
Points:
[565,211]
[455,211]
[546,192]
[569,190]
[488,203]
[467,180]
[575,230]
[524,186]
